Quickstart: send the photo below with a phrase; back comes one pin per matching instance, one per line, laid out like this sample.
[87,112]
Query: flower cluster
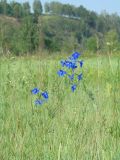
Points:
[42,96]
[71,64]
[71,67]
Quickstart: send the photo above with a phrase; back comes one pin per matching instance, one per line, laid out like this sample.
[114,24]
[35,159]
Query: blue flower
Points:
[70,64]
[45,95]
[75,56]
[73,66]
[35,91]
[62,63]
[61,73]
[73,87]
[71,77]
[38,102]
[80,76]
[81,63]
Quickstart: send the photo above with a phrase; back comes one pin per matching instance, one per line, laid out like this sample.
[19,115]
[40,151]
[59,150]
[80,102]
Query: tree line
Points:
[62,27]
[19,10]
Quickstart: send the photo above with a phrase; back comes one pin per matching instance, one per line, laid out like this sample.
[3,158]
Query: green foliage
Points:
[37,7]
[47,7]
[21,39]
[7,30]
[82,12]
[28,38]
[26,9]
[91,44]
[70,44]
[55,8]
[17,9]
[4,6]
[111,43]
[57,36]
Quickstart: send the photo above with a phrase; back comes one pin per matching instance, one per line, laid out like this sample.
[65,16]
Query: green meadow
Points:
[84,125]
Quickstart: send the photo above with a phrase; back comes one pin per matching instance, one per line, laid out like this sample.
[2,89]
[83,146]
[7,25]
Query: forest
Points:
[56,27]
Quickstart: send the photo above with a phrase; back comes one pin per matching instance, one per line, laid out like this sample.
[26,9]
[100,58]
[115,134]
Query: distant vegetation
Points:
[63,27]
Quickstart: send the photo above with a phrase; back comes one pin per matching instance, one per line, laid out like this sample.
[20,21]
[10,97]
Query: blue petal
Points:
[74,66]
[61,73]
[73,87]
[71,77]
[71,58]
[80,76]
[68,64]
[81,63]
[35,91]
[38,102]
[62,63]
[45,94]
[75,55]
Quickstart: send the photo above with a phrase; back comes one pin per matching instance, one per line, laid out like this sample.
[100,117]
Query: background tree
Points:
[69,10]
[81,12]
[1,8]
[56,8]
[29,34]
[4,6]
[111,43]
[47,7]
[17,10]
[26,8]
[37,7]
[91,44]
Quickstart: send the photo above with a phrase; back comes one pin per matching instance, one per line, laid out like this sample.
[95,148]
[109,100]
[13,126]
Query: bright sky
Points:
[111,6]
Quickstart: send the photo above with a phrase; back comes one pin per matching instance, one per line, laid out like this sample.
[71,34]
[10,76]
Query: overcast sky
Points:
[111,6]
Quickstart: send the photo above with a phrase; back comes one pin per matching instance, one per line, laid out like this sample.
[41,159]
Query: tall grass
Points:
[84,125]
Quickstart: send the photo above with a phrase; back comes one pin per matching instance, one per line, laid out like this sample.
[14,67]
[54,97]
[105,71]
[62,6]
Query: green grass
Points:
[84,125]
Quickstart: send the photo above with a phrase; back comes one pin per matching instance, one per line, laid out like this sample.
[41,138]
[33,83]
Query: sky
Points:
[111,6]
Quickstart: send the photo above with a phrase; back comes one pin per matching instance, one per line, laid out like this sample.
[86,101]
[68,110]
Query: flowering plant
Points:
[42,96]
[70,65]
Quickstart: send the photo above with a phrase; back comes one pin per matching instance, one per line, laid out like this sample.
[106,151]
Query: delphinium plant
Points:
[71,69]
[42,97]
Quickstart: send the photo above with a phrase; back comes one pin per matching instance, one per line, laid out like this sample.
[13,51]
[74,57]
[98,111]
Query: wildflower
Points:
[71,77]
[80,76]
[61,73]
[35,91]
[70,64]
[38,102]
[73,66]
[81,63]
[73,87]
[75,56]
[62,63]
[45,95]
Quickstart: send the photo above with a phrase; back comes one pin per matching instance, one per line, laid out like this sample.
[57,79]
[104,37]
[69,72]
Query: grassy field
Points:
[84,125]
